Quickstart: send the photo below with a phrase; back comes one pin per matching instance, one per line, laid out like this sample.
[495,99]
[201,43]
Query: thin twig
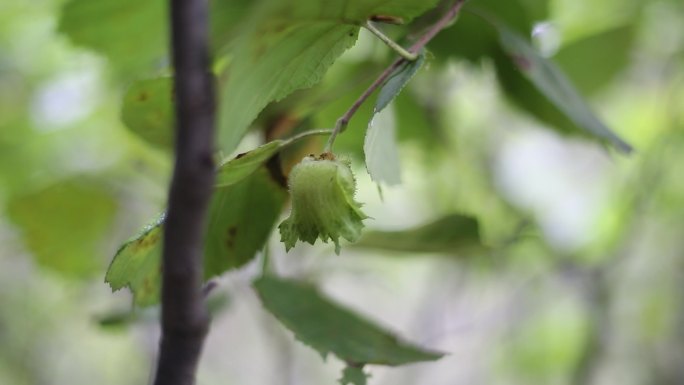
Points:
[443,22]
[410,56]
[184,318]
[306,134]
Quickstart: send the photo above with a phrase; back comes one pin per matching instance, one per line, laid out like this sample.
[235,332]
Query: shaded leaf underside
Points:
[330,328]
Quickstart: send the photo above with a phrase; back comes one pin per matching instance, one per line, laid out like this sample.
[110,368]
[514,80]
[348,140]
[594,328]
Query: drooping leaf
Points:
[247,163]
[449,234]
[530,81]
[554,85]
[289,46]
[380,144]
[147,111]
[380,148]
[521,92]
[585,61]
[329,328]
[241,217]
[353,375]
[64,224]
[397,81]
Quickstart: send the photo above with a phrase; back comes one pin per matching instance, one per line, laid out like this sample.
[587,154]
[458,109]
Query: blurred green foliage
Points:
[579,279]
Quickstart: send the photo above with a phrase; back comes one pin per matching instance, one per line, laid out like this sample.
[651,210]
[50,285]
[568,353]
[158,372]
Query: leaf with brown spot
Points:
[147,111]
[137,265]
[242,216]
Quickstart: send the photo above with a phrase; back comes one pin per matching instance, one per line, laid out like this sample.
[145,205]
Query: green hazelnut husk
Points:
[323,206]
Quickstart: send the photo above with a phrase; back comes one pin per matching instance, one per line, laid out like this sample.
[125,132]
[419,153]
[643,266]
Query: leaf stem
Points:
[442,23]
[306,134]
[410,56]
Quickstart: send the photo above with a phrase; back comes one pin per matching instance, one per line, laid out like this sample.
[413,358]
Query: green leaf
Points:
[137,265]
[344,85]
[288,58]
[330,328]
[246,163]
[132,34]
[449,234]
[483,41]
[380,144]
[148,111]
[241,217]
[573,59]
[526,96]
[414,123]
[397,81]
[64,224]
[380,148]
[353,375]
[289,46]
[471,38]
[554,85]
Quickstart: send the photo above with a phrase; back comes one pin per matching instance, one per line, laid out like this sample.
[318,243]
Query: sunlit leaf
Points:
[148,111]
[449,234]
[330,328]
[64,224]
[241,217]
[289,46]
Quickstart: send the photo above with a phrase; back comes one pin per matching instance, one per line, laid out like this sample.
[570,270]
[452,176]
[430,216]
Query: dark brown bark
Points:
[184,318]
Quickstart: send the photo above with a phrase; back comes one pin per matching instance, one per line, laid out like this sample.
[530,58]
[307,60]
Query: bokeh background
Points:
[580,281]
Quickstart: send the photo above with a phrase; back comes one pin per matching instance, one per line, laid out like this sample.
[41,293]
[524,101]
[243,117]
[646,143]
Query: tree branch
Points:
[442,23]
[184,318]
